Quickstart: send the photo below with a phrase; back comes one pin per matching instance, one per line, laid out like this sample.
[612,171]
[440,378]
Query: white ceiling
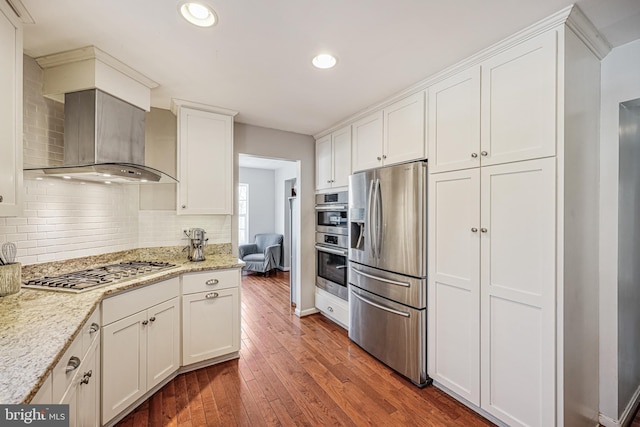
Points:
[257,60]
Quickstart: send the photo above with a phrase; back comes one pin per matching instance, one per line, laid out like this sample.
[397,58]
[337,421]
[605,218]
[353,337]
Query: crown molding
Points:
[177,103]
[587,32]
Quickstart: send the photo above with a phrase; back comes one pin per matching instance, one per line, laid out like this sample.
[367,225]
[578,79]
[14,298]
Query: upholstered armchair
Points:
[263,255]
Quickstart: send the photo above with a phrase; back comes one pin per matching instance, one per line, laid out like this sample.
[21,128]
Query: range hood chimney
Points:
[104,135]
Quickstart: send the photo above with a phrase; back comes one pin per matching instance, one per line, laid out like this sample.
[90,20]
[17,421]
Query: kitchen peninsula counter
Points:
[37,326]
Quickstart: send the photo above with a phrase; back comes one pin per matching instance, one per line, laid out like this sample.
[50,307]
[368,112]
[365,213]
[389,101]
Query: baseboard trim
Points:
[307,312]
[627,416]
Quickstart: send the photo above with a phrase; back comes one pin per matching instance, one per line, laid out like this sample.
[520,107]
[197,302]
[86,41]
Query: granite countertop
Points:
[36,327]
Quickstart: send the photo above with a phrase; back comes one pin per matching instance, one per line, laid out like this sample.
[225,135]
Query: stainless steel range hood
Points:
[104,141]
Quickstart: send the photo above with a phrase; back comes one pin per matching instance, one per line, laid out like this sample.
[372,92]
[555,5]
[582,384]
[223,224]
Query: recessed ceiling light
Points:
[66,177]
[324,60]
[199,14]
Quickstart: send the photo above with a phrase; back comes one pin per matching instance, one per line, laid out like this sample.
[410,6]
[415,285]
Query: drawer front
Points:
[91,330]
[210,281]
[67,368]
[131,302]
[333,307]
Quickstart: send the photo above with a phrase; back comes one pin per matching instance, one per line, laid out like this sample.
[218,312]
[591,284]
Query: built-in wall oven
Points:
[332,243]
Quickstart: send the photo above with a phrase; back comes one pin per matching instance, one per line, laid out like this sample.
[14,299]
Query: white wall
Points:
[265,142]
[261,199]
[620,83]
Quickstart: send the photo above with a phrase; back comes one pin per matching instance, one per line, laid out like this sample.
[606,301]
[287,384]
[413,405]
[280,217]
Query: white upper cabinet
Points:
[454,122]
[205,160]
[10,112]
[519,109]
[404,130]
[393,135]
[367,142]
[333,159]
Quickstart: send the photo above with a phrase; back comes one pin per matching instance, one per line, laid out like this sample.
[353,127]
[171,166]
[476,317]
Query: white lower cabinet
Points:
[211,315]
[333,307]
[142,348]
[492,288]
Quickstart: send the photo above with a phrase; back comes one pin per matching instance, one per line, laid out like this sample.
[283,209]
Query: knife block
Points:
[10,278]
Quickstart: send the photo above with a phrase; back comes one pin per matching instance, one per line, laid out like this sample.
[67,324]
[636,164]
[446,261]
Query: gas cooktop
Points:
[86,280]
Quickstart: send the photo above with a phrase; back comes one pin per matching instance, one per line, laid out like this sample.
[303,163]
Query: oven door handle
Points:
[381,279]
[331,208]
[381,307]
[331,250]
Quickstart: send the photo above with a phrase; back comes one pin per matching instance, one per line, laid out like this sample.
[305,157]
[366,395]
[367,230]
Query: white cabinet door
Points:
[211,324]
[163,341]
[454,282]
[324,163]
[518,252]
[205,162]
[10,112]
[519,108]
[454,122]
[124,364]
[71,398]
[88,411]
[367,142]
[404,130]
[341,154]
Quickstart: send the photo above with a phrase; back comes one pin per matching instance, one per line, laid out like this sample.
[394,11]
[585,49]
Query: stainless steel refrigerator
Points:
[388,266]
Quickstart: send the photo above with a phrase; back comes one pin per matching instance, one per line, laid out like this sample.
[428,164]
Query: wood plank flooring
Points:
[296,371]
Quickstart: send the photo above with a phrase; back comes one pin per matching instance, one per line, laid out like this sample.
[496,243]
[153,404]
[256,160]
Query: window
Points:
[243,213]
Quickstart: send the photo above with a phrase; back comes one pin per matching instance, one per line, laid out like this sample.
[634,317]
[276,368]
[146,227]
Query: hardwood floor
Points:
[296,371]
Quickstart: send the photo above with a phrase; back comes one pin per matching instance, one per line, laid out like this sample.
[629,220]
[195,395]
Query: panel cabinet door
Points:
[211,324]
[163,341]
[341,143]
[324,163]
[366,152]
[124,364]
[454,282]
[89,389]
[10,112]
[519,104]
[454,122]
[404,130]
[205,162]
[518,288]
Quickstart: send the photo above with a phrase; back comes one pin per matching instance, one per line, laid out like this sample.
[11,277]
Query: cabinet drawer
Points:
[91,330]
[129,303]
[210,281]
[61,377]
[333,307]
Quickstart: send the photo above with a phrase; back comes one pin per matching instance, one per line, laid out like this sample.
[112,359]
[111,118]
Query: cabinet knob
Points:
[184,206]
[330,309]
[328,181]
[212,282]
[1,198]
[379,158]
[474,230]
[484,153]
[211,295]
[152,319]
[384,156]
[72,364]
[474,155]
[484,230]
[145,322]
[84,380]
[94,328]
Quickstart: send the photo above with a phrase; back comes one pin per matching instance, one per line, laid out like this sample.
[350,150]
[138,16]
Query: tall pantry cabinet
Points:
[513,290]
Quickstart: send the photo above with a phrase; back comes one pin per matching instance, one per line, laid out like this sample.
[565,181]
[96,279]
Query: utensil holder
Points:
[10,278]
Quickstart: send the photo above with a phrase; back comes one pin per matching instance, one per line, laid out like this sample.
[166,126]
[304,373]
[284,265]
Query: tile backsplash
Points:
[68,219]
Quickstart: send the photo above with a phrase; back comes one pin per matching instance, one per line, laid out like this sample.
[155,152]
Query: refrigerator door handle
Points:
[379,217]
[381,279]
[381,307]
[370,219]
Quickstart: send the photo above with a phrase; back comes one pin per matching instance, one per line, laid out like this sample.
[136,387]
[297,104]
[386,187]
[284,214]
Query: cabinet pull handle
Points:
[484,230]
[211,295]
[84,380]
[330,309]
[72,364]
[474,230]
[152,319]
[474,155]
[212,282]
[484,153]
[88,374]
[145,322]
[94,328]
